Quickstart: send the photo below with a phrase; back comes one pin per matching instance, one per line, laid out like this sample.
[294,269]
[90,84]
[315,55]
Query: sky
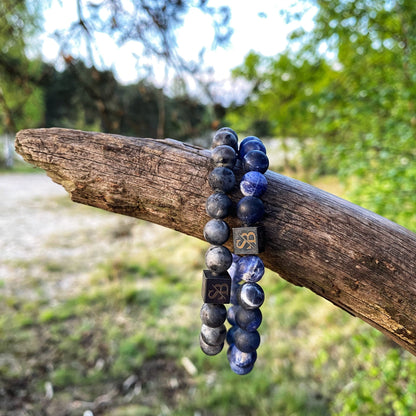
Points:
[258,26]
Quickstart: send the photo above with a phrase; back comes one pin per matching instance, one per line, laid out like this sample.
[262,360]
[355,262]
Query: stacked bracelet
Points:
[245,315]
[216,286]
[232,278]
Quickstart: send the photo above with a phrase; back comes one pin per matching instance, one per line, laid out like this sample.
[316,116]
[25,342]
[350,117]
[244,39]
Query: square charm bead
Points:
[248,240]
[216,288]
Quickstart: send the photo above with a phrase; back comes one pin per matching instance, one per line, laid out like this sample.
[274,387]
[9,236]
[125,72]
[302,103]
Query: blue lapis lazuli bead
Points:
[240,358]
[248,319]
[255,160]
[250,296]
[250,269]
[248,139]
[253,183]
[230,335]
[231,314]
[250,145]
[250,210]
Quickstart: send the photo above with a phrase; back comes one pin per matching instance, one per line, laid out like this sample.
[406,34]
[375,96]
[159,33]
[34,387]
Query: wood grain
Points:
[359,261]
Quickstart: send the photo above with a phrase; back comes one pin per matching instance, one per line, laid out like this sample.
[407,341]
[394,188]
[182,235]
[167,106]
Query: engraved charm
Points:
[216,288]
[248,240]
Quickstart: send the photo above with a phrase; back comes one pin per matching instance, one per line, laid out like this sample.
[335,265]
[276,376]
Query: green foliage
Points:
[349,86]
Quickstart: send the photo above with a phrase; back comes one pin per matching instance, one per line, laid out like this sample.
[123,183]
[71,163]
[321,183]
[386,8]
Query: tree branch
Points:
[359,261]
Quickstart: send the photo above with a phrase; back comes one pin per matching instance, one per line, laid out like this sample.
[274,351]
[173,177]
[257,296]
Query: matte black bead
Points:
[213,336]
[218,259]
[248,319]
[224,156]
[227,137]
[213,315]
[255,160]
[218,205]
[222,179]
[248,240]
[216,288]
[209,349]
[216,232]
[251,145]
[246,341]
[250,210]
[250,296]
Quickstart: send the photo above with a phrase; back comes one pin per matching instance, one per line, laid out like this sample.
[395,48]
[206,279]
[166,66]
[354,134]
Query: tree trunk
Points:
[359,261]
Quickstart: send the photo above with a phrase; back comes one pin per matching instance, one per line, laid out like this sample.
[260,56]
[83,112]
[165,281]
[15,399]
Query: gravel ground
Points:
[45,236]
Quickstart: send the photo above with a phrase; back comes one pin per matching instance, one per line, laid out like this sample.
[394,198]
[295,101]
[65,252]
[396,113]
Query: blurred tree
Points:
[350,84]
[151,24]
[20,97]
[71,101]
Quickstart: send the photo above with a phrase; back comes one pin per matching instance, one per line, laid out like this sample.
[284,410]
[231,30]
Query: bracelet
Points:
[247,295]
[216,283]
[222,281]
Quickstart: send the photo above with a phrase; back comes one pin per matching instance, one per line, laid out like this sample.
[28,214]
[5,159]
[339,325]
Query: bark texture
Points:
[359,261]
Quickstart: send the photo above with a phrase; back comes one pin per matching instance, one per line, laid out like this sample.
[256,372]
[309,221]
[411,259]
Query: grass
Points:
[116,345]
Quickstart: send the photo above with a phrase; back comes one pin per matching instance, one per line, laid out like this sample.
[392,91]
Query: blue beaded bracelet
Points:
[247,296]
[232,278]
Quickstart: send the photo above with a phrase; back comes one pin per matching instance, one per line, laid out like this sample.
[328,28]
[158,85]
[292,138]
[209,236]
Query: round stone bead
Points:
[218,205]
[222,179]
[235,289]
[209,349]
[231,314]
[251,145]
[250,268]
[218,259]
[246,341]
[255,160]
[240,358]
[253,183]
[248,319]
[250,296]
[232,271]
[213,315]
[213,336]
[227,137]
[250,210]
[230,335]
[224,156]
[216,232]
[241,371]
[249,139]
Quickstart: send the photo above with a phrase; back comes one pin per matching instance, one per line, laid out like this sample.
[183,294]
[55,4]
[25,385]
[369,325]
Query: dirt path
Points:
[48,240]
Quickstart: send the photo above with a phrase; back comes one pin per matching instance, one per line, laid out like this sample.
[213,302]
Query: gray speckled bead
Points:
[224,156]
[213,315]
[218,259]
[218,205]
[251,296]
[225,136]
[209,349]
[213,336]
[222,179]
[216,232]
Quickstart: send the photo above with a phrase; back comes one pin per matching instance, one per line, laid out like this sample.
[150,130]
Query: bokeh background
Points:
[99,313]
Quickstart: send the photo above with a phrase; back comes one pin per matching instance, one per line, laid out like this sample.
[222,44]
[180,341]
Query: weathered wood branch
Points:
[356,259]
